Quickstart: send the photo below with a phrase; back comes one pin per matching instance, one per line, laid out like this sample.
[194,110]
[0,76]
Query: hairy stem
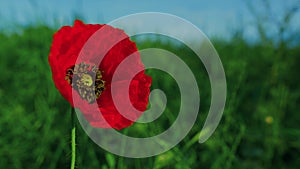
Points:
[73,140]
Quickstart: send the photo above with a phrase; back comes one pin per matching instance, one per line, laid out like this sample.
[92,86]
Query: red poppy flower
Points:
[86,84]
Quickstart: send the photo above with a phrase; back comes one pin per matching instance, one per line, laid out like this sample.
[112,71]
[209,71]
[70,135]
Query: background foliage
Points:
[259,129]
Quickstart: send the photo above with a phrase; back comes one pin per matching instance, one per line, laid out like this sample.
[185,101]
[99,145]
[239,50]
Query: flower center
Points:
[86,79]
[82,77]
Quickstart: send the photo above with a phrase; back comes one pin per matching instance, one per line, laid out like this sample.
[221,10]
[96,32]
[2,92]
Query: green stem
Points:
[73,143]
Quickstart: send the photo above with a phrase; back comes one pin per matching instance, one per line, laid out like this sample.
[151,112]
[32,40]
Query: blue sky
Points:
[213,17]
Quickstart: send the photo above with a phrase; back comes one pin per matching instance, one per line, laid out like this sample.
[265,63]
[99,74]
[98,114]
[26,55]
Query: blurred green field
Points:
[259,129]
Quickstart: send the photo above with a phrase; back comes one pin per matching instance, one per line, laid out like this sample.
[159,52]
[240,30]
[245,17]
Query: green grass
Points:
[259,129]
